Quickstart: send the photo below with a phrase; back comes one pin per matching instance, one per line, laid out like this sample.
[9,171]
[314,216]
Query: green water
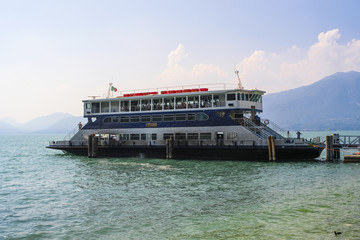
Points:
[45,194]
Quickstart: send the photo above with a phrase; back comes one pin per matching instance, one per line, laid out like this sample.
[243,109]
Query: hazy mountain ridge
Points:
[61,123]
[332,103]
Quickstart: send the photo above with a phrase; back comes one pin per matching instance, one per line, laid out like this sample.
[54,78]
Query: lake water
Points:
[45,194]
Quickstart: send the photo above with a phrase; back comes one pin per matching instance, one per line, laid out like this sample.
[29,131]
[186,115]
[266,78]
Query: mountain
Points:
[61,123]
[332,103]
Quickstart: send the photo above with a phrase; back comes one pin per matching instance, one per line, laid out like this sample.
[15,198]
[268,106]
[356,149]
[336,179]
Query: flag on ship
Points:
[113,89]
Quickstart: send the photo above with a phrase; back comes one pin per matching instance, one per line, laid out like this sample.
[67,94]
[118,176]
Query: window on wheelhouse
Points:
[124,106]
[231,97]
[157,104]
[114,106]
[205,101]
[104,107]
[95,107]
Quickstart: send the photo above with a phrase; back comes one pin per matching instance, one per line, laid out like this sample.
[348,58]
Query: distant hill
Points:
[332,103]
[61,123]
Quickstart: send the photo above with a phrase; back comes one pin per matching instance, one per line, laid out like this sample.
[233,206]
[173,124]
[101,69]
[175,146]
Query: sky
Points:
[54,54]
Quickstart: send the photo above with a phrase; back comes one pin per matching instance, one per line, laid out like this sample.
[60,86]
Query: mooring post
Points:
[95,147]
[169,148]
[270,148]
[273,148]
[329,148]
[90,146]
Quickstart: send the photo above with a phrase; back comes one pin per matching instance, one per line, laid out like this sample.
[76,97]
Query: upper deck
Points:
[176,99]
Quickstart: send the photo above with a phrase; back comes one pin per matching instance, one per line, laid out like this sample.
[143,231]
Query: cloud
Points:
[296,67]
[175,73]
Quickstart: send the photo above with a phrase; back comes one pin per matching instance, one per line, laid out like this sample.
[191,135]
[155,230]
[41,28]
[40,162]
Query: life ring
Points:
[266,122]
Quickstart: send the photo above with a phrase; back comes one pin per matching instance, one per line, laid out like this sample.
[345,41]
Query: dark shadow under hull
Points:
[244,153]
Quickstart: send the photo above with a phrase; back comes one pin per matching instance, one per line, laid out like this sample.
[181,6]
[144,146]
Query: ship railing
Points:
[208,87]
[276,128]
[68,143]
[262,130]
[74,131]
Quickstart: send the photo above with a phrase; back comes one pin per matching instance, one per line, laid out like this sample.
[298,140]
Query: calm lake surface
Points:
[45,194]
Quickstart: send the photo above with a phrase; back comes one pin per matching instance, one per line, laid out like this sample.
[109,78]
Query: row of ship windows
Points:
[178,136]
[186,102]
[158,118]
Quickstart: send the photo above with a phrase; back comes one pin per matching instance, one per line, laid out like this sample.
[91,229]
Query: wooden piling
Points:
[90,146]
[170,148]
[329,148]
[95,147]
[273,148]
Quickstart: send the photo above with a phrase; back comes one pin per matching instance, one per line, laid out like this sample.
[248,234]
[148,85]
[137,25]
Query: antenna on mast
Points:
[239,81]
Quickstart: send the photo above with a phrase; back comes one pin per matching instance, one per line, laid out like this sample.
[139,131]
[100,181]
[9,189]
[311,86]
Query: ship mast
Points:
[239,81]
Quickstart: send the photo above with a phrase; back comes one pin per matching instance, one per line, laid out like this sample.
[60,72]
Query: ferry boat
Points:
[191,122]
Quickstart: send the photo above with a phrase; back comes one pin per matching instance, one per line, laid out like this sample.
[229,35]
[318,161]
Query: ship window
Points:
[135,105]
[124,119]
[143,136]
[134,118]
[134,136]
[168,103]
[168,136]
[145,118]
[231,97]
[104,107]
[205,136]
[202,117]
[87,105]
[219,100]
[95,107]
[157,104]
[180,102]
[193,102]
[191,117]
[145,105]
[246,97]
[154,136]
[193,136]
[180,136]
[116,119]
[168,117]
[124,106]
[205,101]
[156,118]
[180,117]
[114,106]
[124,136]
[107,120]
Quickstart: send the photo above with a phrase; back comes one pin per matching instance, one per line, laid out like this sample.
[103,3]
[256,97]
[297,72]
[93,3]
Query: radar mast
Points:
[239,80]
